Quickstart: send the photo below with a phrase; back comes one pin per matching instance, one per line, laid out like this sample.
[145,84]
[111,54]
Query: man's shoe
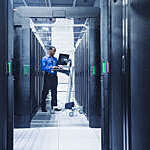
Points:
[57,109]
[52,111]
[44,110]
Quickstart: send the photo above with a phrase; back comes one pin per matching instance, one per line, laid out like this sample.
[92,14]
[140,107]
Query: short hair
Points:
[50,48]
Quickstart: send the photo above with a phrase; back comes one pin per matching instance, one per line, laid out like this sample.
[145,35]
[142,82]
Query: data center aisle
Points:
[67,133]
[58,131]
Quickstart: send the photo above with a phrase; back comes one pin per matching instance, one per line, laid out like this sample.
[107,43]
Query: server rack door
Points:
[120,76]
[94,67]
[41,75]
[117,58]
[32,75]
[36,75]
[88,73]
[87,69]
[22,105]
[82,73]
[10,104]
[126,88]
[5,102]
[140,74]
[130,121]
[105,77]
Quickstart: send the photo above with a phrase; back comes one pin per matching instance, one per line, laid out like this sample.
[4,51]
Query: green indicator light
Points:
[9,67]
[94,70]
[104,67]
[25,69]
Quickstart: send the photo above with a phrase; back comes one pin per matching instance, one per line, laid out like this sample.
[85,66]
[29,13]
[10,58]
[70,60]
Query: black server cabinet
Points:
[37,69]
[36,54]
[22,103]
[140,74]
[10,104]
[113,86]
[27,55]
[117,58]
[113,83]
[6,78]
[94,74]
[129,121]
[87,73]
[33,74]
[105,38]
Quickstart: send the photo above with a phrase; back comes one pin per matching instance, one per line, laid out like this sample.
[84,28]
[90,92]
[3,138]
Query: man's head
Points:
[51,51]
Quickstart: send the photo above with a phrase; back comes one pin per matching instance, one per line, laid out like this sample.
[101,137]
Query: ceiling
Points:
[45,33]
[56,3]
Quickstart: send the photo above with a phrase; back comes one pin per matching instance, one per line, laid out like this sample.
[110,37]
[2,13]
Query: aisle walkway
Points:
[66,134]
[58,131]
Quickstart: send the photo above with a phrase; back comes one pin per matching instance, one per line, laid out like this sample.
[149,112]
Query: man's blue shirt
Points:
[47,63]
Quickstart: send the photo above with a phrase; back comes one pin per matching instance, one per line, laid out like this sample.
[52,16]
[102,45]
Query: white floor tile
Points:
[71,133]
[78,139]
[60,138]
[37,139]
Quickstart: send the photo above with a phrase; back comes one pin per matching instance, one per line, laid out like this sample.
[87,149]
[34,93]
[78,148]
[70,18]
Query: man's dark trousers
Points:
[50,83]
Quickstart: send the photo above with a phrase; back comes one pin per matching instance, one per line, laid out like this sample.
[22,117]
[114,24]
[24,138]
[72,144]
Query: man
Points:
[49,64]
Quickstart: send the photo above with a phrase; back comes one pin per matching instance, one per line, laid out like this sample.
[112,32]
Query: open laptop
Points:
[63,59]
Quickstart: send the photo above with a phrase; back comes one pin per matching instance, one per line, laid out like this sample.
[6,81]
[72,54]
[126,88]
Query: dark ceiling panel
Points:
[17,1]
[55,3]
[79,20]
[62,2]
[30,3]
[36,2]
[85,2]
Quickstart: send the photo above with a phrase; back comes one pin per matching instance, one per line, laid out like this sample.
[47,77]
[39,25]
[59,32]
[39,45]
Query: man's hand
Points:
[55,67]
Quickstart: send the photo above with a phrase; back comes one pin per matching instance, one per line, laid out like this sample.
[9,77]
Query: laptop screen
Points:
[63,59]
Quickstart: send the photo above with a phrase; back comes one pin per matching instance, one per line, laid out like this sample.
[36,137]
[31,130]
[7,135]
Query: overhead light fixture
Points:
[52,20]
[61,25]
[45,28]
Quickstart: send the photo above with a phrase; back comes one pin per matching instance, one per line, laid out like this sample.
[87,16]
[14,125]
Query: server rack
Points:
[116,76]
[87,70]
[6,77]
[10,104]
[27,53]
[126,124]
[139,37]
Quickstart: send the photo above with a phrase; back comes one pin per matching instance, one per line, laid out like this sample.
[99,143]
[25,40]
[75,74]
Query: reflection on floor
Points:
[58,131]
[59,119]
[63,133]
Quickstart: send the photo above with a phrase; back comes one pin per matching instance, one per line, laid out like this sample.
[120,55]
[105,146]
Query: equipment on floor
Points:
[74,110]
[69,105]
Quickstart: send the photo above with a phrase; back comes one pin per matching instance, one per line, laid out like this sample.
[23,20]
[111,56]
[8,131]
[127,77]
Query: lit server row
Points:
[87,73]
[28,77]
